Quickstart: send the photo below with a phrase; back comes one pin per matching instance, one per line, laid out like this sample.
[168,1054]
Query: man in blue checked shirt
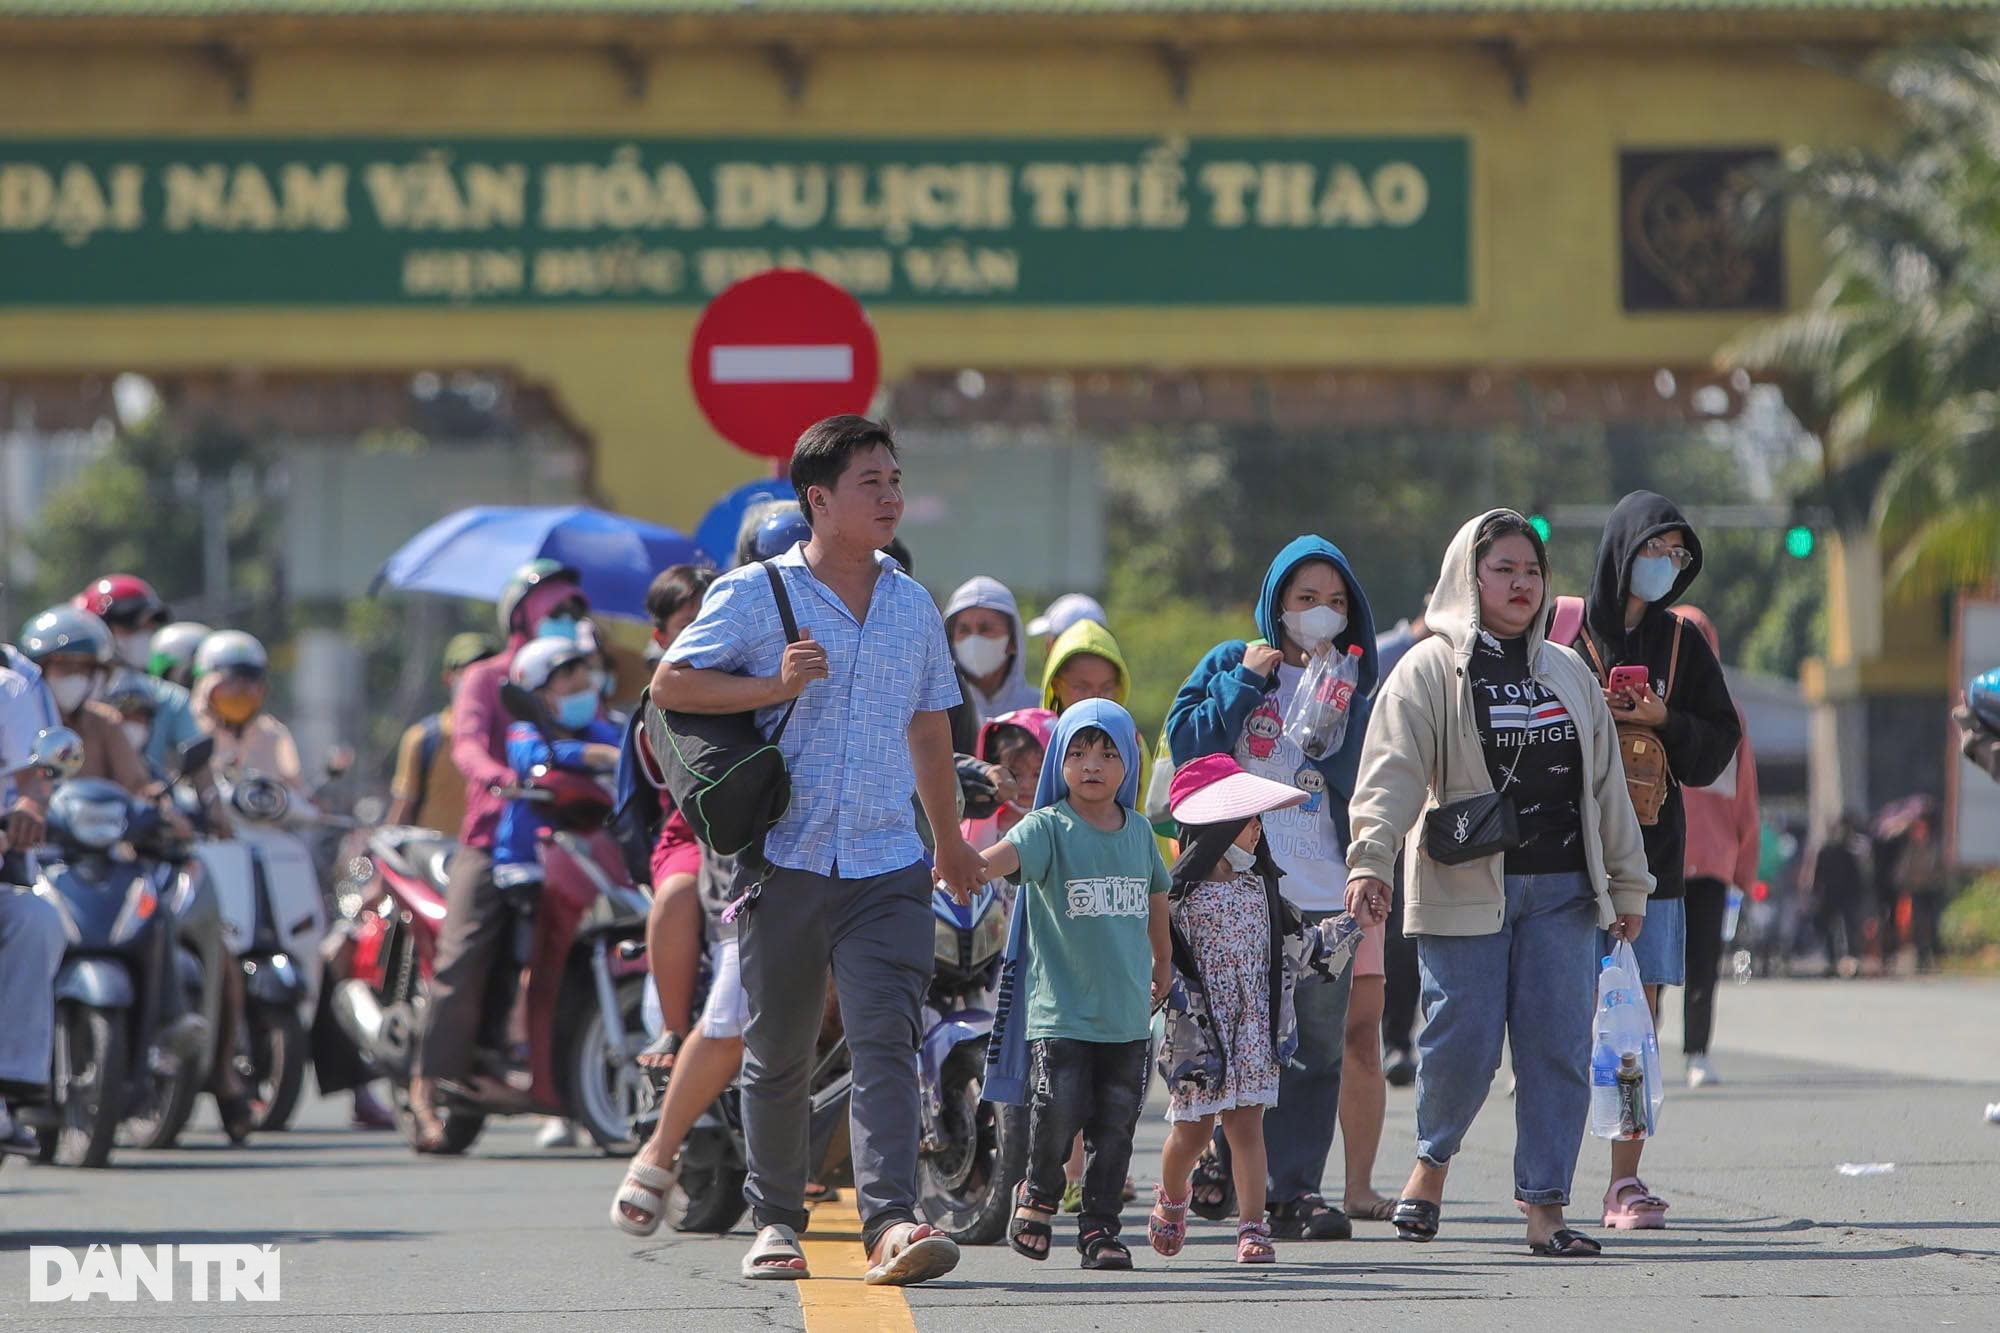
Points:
[848,889]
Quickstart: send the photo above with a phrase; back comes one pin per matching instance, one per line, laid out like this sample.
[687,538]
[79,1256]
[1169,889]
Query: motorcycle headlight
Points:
[96,824]
[945,946]
[989,937]
[140,903]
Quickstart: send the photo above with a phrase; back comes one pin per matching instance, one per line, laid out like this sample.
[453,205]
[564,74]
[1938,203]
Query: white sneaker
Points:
[556,1133]
[1993,1113]
[1700,1075]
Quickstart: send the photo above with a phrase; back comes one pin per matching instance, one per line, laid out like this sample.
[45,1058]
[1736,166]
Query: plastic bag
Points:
[1626,1089]
[1316,721]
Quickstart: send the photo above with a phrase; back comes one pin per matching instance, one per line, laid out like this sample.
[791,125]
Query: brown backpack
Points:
[1646,775]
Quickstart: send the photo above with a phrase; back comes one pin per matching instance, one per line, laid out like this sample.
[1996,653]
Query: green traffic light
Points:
[1540,524]
[1799,542]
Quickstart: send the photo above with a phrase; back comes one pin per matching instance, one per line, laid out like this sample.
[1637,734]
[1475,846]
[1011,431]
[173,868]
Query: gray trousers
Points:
[475,928]
[877,938]
[31,951]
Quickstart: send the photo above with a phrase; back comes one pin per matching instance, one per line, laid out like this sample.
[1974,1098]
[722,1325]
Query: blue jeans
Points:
[31,952]
[1533,982]
[1298,1131]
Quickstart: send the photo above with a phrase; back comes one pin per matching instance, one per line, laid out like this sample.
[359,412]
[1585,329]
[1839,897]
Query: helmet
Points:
[172,648]
[542,658]
[123,599]
[770,528]
[65,629]
[465,649]
[128,694]
[525,578]
[1063,612]
[231,650]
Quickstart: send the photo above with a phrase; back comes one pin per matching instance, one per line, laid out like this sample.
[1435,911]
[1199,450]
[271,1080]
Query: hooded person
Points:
[1017,741]
[1485,720]
[1085,662]
[1647,559]
[1234,702]
[1087,955]
[990,647]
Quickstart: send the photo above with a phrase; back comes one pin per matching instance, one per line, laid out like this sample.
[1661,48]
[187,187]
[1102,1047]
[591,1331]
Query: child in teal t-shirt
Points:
[1098,954]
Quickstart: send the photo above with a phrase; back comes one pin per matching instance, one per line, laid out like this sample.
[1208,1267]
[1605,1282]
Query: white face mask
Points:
[133,650]
[1315,626]
[138,733]
[981,655]
[70,692]
[1239,859]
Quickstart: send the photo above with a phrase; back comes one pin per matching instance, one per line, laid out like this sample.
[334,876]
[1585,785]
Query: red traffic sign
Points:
[775,353]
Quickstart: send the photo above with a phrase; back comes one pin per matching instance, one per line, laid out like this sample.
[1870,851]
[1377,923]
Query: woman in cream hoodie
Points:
[1508,942]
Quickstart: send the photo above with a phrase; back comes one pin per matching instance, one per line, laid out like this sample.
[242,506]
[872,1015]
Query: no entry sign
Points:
[775,353]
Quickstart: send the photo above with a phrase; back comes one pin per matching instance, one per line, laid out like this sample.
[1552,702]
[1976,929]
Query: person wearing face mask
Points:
[1234,703]
[135,614]
[232,684]
[544,599]
[989,647]
[72,649]
[559,672]
[1647,559]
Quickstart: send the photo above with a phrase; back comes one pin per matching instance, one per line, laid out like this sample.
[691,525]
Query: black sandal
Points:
[1416,1219]
[1566,1244]
[1212,1195]
[239,1117]
[1103,1251]
[1020,1230]
[656,1060]
[1310,1217]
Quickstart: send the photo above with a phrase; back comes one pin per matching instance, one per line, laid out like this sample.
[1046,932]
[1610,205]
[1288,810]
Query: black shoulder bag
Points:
[1483,825]
[728,781]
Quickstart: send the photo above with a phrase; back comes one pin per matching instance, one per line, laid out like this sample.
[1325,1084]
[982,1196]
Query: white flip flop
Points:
[645,1187]
[775,1242]
[907,1262]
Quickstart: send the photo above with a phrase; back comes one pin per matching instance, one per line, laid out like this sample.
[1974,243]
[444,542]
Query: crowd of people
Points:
[1276,921]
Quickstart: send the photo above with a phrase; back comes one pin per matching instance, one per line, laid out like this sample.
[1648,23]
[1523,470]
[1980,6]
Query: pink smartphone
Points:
[1633,678]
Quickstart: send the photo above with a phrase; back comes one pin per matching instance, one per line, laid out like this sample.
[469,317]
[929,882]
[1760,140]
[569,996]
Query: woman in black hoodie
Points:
[1647,559]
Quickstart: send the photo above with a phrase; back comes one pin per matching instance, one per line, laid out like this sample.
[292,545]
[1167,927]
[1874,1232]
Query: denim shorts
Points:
[1662,943]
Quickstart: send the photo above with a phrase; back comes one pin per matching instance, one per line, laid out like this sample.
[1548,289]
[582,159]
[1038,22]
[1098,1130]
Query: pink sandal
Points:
[1630,1206]
[1253,1244]
[1166,1226]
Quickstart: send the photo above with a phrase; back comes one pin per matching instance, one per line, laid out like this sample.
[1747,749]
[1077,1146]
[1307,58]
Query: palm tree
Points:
[1895,361]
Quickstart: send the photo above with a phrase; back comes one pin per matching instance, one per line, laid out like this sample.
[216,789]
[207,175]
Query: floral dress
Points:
[1229,928]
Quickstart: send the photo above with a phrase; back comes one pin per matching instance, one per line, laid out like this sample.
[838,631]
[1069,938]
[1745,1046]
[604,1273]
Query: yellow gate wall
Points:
[1544,211]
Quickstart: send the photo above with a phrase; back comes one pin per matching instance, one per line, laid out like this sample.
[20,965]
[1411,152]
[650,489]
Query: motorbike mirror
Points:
[194,756]
[58,752]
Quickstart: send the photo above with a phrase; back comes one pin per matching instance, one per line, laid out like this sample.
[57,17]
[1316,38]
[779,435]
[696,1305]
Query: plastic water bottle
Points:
[1732,912]
[1633,1113]
[1321,725]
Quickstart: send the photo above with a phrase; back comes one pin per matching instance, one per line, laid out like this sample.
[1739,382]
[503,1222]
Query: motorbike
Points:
[274,917]
[578,927]
[972,1154]
[134,1017]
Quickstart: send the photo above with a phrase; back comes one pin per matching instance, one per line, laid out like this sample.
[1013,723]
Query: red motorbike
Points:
[578,927]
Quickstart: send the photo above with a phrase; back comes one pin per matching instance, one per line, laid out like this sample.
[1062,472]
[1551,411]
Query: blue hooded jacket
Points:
[1007,1050]
[1220,695]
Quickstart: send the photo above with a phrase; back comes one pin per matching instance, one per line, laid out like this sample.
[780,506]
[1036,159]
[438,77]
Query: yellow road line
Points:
[834,1299]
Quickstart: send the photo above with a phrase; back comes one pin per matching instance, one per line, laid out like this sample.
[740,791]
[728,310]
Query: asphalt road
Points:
[1766,1233]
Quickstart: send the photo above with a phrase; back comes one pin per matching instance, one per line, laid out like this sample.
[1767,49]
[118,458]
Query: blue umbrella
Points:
[473,552]
[717,533]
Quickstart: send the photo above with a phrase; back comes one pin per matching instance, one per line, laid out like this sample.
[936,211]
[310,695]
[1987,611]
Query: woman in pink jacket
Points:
[1724,837]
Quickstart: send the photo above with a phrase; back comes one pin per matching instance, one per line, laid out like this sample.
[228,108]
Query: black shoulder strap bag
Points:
[727,779]
[1483,825]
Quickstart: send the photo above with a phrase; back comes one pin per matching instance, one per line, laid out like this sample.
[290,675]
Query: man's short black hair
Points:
[673,588]
[823,451]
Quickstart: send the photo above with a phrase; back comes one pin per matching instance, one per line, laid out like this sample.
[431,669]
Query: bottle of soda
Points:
[1333,696]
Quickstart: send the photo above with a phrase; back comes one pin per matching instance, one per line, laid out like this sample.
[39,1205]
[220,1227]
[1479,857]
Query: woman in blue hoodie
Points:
[1234,703]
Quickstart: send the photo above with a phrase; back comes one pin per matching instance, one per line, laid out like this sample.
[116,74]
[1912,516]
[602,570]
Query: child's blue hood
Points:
[1117,723]
[1360,620]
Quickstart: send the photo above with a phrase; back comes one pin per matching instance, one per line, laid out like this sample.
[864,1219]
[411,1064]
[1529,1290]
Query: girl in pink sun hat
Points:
[1239,950]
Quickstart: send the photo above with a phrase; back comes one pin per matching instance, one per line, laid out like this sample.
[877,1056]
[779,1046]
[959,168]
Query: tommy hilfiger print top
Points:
[1534,756]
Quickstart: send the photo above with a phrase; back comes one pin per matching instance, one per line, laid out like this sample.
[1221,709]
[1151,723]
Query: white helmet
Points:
[173,647]
[230,650]
[542,658]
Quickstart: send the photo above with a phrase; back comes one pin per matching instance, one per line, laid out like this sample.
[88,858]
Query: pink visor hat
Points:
[1214,789]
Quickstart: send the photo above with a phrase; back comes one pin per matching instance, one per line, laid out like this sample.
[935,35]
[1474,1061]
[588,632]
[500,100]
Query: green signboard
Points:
[1216,221]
